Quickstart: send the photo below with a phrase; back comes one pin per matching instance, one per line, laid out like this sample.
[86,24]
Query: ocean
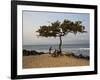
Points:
[74,48]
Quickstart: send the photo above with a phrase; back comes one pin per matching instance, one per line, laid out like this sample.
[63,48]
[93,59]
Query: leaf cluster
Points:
[58,28]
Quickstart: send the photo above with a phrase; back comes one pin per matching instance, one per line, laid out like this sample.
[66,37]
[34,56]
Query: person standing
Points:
[50,49]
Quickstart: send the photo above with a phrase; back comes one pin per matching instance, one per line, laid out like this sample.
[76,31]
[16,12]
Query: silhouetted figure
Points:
[50,49]
[55,53]
[59,53]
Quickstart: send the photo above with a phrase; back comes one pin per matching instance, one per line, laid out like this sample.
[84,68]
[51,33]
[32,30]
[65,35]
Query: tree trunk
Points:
[60,44]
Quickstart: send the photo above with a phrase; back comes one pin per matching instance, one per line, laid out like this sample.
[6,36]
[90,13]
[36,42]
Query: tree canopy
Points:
[57,28]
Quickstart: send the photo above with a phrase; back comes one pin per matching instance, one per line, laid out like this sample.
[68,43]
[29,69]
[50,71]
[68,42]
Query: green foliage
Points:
[56,29]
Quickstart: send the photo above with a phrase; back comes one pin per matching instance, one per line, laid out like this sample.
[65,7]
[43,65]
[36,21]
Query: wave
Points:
[78,51]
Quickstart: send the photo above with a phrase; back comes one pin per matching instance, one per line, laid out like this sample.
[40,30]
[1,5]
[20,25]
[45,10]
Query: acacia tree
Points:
[60,29]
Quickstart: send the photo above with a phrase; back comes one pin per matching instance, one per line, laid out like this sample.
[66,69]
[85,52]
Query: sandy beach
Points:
[45,60]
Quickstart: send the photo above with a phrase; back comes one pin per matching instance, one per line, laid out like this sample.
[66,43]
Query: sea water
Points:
[74,48]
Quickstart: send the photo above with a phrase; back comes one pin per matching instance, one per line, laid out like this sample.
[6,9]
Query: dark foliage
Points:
[80,56]
[33,52]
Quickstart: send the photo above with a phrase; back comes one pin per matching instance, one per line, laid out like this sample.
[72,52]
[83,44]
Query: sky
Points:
[32,20]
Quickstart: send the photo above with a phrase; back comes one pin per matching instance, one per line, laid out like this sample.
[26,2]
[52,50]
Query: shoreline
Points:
[34,52]
[43,60]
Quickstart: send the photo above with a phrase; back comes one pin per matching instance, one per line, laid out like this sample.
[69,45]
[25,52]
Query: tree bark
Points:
[60,44]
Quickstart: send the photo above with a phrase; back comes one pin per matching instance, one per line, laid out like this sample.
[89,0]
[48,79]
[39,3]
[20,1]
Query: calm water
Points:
[75,48]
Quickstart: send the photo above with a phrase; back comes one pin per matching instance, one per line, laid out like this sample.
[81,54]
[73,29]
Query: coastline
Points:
[43,60]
